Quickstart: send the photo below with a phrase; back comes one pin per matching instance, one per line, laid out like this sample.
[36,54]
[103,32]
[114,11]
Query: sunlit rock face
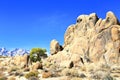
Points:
[92,39]
[55,47]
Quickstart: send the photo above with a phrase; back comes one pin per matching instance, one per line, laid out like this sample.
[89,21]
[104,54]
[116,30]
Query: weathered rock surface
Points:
[92,40]
[37,66]
[91,51]
[54,47]
[21,60]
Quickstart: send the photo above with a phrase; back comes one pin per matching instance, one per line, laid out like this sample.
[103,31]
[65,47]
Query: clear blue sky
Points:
[34,23]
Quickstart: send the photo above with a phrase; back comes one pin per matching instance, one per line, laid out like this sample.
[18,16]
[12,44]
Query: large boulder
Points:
[22,61]
[54,47]
[90,40]
[37,66]
[110,19]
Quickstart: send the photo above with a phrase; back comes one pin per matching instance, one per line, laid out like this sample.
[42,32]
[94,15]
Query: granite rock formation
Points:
[90,40]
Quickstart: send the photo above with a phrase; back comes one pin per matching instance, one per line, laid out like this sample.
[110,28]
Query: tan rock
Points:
[54,47]
[59,57]
[115,33]
[93,19]
[67,64]
[80,27]
[37,66]
[81,18]
[11,78]
[90,40]
[21,60]
[69,35]
[46,74]
[77,60]
[27,69]
[110,19]
[98,23]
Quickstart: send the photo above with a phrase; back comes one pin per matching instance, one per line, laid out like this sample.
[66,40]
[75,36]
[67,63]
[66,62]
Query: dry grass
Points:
[70,72]
[3,78]
[31,74]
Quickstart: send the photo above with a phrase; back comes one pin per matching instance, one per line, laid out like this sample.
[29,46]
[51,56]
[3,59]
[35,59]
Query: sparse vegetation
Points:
[70,72]
[31,74]
[3,78]
[108,77]
[88,54]
[36,54]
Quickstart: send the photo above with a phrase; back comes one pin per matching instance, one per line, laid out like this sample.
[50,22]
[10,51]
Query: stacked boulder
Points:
[55,47]
[90,40]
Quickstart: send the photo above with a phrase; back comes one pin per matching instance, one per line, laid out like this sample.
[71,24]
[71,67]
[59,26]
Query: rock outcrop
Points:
[21,61]
[90,40]
[91,51]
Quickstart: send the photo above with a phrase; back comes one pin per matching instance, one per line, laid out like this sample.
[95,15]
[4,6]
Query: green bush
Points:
[36,54]
[2,79]
[31,74]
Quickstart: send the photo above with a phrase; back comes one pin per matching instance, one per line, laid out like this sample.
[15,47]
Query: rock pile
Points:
[90,40]
[91,47]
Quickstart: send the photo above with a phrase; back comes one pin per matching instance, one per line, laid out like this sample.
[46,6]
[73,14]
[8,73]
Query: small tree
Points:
[36,54]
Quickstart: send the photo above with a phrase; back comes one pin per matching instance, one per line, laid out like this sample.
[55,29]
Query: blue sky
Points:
[34,23]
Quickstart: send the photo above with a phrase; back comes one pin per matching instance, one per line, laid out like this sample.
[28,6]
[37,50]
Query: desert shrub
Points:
[3,78]
[70,72]
[108,77]
[36,54]
[31,74]
[101,75]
